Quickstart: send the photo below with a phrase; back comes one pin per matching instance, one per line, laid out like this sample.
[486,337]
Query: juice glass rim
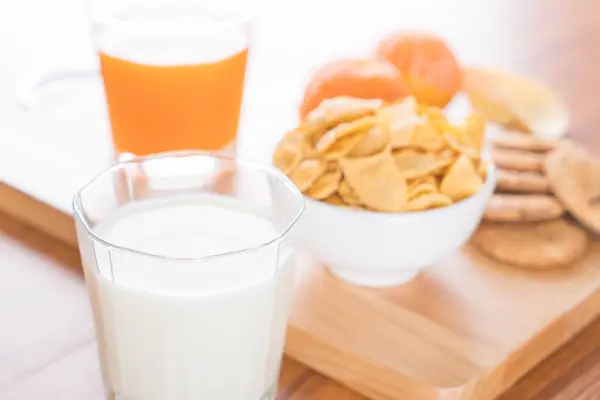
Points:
[281,178]
[231,20]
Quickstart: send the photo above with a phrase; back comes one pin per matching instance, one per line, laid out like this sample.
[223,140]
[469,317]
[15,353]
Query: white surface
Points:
[189,330]
[380,249]
[50,154]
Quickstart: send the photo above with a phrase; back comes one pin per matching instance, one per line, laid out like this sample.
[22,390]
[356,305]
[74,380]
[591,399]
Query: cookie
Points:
[541,245]
[523,208]
[518,160]
[522,182]
[521,141]
[574,176]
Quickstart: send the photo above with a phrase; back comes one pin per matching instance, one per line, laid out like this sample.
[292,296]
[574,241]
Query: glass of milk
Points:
[189,268]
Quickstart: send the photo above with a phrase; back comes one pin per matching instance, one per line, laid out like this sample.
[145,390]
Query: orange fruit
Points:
[365,78]
[428,66]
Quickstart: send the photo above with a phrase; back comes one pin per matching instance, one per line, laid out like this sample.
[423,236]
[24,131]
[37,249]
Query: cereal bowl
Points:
[377,249]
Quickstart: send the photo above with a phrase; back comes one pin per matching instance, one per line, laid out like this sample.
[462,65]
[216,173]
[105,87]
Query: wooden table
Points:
[47,348]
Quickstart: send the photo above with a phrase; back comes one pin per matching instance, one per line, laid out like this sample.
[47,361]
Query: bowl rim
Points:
[489,185]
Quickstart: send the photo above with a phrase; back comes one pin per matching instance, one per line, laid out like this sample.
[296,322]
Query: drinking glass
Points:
[189,267]
[173,73]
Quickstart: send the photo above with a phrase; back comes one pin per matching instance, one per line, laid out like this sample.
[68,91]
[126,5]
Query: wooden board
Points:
[464,329]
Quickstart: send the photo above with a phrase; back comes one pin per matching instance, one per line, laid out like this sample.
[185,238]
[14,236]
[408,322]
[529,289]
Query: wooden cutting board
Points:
[466,328]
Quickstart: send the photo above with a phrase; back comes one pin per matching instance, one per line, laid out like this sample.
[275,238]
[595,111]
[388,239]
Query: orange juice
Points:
[173,80]
[161,108]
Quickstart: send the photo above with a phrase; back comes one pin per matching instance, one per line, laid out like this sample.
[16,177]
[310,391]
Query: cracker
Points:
[520,141]
[518,160]
[575,179]
[522,182]
[523,208]
[541,245]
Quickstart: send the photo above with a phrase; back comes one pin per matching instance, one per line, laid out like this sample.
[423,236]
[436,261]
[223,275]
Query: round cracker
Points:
[523,208]
[518,160]
[542,245]
[522,182]
[520,141]
[574,176]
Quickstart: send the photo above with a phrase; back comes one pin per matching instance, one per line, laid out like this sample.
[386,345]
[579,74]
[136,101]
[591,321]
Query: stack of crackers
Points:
[548,193]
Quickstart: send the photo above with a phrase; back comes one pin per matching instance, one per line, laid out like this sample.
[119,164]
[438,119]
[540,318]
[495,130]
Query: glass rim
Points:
[235,19]
[79,214]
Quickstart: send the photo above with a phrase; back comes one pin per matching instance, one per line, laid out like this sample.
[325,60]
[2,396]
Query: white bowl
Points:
[386,249]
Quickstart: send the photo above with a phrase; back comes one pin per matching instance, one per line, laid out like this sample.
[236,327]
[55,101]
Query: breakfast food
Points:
[522,208]
[518,160]
[519,141]
[307,172]
[523,191]
[383,156]
[366,78]
[539,180]
[428,66]
[517,102]
[376,181]
[540,245]
[326,185]
[522,182]
[575,179]
[461,179]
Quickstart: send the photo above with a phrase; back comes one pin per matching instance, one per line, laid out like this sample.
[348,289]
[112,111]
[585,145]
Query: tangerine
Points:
[428,66]
[366,78]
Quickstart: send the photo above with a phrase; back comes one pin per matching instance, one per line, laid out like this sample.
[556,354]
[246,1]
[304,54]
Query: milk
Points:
[188,330]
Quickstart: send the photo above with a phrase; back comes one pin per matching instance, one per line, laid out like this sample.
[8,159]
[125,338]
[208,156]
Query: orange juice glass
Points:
[173,77]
